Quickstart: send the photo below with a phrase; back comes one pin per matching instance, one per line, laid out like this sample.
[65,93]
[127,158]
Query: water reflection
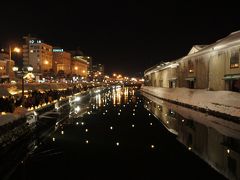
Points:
[215,140]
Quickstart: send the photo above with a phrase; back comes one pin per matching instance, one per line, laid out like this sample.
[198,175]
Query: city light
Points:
[15,68]
[17,50]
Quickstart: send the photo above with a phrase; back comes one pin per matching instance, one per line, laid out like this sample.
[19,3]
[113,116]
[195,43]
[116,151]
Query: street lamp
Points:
[16,49]
[23,71]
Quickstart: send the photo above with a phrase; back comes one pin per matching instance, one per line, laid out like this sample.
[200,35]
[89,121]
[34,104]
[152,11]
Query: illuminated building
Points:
[213,67]
[37,54]
[61,61]
[6,72]
[4,55]
[80,66]
[6,66]
[98,72]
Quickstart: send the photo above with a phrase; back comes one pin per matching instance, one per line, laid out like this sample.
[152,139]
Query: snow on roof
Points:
[196,48]
[231,40]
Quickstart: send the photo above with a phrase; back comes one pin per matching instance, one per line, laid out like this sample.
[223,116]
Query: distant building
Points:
[2,67]
[6,65]
[6,72]
[213,67]
[98,72]
[37,54]
[61,61]
[80,66]
[4,55]
[96,68]
[78,53]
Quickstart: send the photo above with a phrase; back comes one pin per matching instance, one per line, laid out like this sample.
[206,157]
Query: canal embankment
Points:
[223,104]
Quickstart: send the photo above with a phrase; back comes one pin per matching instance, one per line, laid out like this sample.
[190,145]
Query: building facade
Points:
[37,54]
[213,67]
[80,66]
[61,61]
[98,72]
[6,72]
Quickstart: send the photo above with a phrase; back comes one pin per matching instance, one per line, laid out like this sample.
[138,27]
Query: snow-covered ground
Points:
[226,102]
[8,118]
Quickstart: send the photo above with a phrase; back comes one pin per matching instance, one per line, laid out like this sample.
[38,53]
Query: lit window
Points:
[31,51]
[190,66]
[234,59]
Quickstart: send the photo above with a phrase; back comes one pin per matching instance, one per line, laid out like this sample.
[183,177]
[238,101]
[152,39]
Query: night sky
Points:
[127,37]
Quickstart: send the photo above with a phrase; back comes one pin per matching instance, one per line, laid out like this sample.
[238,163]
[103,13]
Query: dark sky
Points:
[125,36]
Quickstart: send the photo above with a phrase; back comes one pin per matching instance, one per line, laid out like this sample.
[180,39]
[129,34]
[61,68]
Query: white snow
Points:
[228,128]
[20,111]
[221,101]
[8,118]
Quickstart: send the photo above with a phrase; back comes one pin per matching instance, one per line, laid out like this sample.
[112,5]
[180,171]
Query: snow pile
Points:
[221,101]
[8,118]
[21,111]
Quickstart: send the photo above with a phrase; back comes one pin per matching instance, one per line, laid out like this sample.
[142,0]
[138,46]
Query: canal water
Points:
[120,134]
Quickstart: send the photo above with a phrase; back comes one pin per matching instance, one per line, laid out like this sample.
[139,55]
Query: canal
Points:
[121,134]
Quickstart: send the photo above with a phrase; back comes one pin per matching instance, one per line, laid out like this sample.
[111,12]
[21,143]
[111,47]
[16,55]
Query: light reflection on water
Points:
[108,125]
[215,140]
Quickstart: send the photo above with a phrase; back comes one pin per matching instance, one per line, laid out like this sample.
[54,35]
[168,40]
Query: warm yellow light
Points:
[114,75]
[99,73]
[76,68]
[83,71]
[17,50]
[46,62]
[228,151]
[15,68]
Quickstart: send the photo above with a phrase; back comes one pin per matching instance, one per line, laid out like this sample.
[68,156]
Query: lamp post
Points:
[22,72]
[16,49]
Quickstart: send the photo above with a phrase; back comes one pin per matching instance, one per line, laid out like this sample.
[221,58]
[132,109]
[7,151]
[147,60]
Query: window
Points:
[234,59]
[190,66]
[160,83]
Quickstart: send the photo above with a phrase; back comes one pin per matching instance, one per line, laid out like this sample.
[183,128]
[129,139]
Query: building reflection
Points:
[215,140]
[117,95]
[125,95]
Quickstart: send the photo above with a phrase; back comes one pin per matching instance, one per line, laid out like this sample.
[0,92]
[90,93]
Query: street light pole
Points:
[10,52]
[22,85]
[23,70]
